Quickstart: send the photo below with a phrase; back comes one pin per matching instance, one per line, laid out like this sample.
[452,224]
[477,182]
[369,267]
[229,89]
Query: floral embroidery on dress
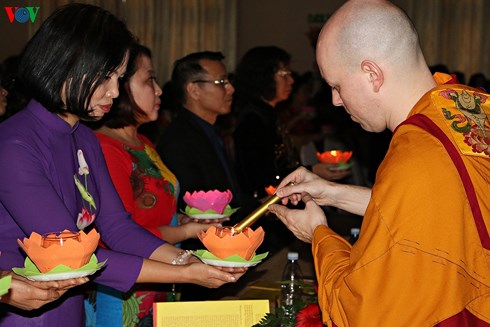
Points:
[471,122]
[147,169]
[131,309]
[86,217]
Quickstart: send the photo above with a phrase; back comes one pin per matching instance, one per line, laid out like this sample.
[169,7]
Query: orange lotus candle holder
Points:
[334,156]
[72,249]
[222,242]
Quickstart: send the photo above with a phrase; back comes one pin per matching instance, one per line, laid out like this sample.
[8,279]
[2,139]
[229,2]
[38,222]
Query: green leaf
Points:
[279,318]
[194,211]
[234,258]
[5,284]
[84,192]
[30,268]
[269,320]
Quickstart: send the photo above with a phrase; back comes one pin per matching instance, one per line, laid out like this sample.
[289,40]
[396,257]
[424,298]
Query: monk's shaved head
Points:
[369,30]
[368,52]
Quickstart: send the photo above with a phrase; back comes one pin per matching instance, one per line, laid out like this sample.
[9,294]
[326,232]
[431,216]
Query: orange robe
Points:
[419,259]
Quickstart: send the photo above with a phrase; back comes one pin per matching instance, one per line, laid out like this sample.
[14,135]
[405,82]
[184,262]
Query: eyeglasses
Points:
[220,82]
[284,73]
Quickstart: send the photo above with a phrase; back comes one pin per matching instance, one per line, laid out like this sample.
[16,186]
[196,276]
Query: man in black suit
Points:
[192,146]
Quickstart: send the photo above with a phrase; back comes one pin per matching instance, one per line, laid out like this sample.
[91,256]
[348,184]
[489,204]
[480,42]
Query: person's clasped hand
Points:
[193,228]
[211,276]
[30,295]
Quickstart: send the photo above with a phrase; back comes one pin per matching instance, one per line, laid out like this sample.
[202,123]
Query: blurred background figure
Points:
[297,113]
[478,80]
[263,152]
[15,100]
[3,101]
[264,149]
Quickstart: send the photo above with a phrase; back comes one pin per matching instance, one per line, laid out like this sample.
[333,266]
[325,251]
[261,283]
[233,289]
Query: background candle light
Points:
[334,156]
[270,189]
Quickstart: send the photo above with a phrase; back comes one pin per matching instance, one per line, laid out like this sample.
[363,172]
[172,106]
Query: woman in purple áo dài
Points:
[52,167]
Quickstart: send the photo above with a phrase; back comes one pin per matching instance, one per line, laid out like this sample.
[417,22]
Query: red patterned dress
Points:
[148,190]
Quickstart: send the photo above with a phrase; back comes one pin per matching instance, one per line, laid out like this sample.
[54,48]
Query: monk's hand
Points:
[302,222]
[306,184]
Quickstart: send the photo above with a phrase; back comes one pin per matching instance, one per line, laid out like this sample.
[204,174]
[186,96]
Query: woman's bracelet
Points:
[180,259]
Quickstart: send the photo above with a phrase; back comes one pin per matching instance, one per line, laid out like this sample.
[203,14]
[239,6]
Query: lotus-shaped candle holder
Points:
[73,252]
[222,243]
[334,156]
[211,200]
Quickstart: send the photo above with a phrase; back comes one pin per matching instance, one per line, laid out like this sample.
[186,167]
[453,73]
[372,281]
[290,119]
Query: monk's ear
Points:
[193,91]
[374,74]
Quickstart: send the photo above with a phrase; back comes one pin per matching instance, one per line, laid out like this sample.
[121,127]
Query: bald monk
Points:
[423,255]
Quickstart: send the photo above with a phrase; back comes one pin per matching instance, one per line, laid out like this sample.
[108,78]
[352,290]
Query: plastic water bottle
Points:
[292,284]
[354,235]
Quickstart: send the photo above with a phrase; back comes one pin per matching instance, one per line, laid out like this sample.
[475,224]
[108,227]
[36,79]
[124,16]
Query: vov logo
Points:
[21,14]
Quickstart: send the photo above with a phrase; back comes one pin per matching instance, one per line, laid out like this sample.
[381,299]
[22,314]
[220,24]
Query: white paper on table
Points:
[239,313]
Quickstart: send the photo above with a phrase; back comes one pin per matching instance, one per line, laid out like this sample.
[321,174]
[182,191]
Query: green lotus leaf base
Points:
[226,213]
[205,254]
[344,165]
[30,268]
[5,284]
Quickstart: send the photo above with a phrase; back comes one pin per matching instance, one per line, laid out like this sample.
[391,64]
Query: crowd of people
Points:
[90,93]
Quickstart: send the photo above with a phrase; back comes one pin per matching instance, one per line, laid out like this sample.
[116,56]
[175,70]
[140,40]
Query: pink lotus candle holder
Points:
[211,200]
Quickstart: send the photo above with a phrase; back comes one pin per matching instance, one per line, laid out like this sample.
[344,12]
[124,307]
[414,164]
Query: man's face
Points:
[216,92]
[351,89]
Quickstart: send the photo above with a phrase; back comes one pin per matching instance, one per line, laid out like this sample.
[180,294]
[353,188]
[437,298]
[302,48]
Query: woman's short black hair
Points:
[77,47]
[254,74]
[125,111]
[187,69]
